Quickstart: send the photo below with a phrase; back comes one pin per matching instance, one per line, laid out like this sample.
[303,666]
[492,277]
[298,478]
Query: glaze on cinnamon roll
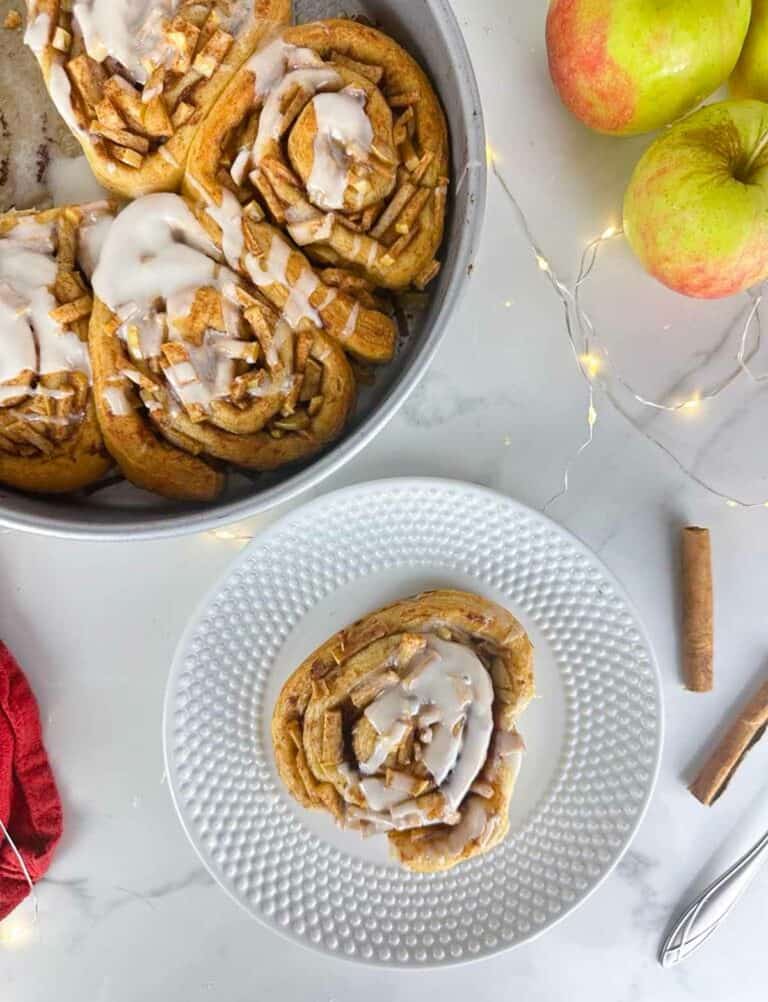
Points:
[335,131]
[406,724]
[49,438]
[134,79]
[195,367]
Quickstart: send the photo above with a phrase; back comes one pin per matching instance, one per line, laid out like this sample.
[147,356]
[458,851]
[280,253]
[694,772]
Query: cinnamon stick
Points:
[745,731]
[698,641]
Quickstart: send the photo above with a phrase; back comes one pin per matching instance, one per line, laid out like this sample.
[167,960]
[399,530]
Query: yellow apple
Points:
[630,66]
[696,209]
[750,78]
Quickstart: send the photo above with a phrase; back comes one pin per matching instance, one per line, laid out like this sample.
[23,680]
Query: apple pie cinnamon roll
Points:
[195,367]
[335,131]
[406,723]
[133,79]
[49,437]
[333,299]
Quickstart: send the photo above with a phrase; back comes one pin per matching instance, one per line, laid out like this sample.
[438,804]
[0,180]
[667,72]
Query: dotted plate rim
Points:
[262,542]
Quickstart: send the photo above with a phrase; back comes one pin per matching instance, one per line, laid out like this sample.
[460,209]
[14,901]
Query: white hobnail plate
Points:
[593,735]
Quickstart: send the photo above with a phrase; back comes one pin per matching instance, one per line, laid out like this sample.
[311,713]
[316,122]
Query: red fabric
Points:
[29,802]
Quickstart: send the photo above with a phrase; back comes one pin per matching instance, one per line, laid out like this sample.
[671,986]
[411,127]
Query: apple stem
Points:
[761,144]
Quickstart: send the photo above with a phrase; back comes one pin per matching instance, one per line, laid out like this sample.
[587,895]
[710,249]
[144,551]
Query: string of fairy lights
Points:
[594,363]
[599,373]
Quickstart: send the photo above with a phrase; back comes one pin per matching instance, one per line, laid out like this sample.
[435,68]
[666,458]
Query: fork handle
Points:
[707,911]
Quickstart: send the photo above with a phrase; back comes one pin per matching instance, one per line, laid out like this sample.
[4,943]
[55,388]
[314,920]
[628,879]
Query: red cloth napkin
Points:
[29,802]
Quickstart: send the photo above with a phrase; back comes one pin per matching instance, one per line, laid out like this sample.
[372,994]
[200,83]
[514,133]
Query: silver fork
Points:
[703,916]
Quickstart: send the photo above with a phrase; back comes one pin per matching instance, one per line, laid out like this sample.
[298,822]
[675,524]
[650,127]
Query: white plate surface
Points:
[593,735]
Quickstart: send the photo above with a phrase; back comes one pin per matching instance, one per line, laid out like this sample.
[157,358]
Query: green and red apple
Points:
[696,210]
[750,78]
[629,66]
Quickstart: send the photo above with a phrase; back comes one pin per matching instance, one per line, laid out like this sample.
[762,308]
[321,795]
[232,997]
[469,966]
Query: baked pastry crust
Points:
[336,130]
[202,372]
[49,437]
[136,134]
[326,744]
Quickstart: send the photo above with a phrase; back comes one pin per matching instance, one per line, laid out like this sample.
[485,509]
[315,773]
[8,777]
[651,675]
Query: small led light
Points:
[230,535]
[591,364]
[579,326]
[223,534]
[693,404]
[490,153]
[16,931]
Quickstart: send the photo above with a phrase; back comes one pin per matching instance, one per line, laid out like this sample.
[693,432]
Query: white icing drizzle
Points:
[344,133]
[157,251]
[9,392]
[240,165]
[278,69]
[379,796]
[447,692]
[274,271]
[116,400]
[130,31]
[311,230]
[61,94]
[38,32]
[34,235]
[12,393]
[30,340]
[164,152]
[229,216]
[476,822]
[387,742]
[90,240]
[351,325]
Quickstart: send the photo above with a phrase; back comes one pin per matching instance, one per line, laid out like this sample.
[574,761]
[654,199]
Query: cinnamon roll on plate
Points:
[405,723]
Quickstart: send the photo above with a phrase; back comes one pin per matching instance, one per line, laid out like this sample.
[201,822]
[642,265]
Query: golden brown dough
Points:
[354,724]
[137,133]
[50,441]
[336,131]
[202,371]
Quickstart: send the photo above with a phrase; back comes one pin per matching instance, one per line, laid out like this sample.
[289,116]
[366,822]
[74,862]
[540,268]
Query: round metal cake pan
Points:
[429,30]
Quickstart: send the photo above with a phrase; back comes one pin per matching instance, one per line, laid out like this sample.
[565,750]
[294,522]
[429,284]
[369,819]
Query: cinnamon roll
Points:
[337,133]
[49,437]
[133,79]
[195,367]
[406,723]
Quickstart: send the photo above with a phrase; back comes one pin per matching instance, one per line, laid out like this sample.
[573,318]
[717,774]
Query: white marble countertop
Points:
[127,912]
